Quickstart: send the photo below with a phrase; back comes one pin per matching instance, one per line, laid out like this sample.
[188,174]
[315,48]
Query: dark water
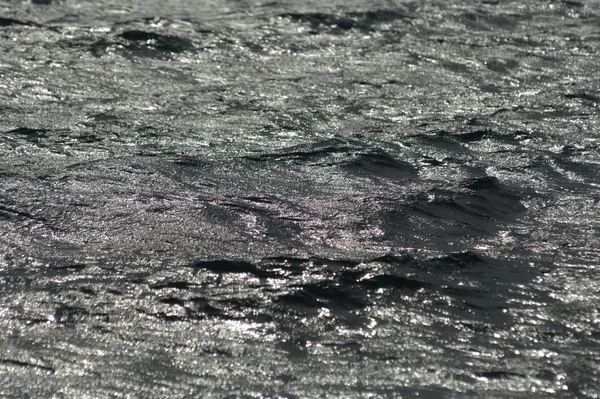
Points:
[235,199]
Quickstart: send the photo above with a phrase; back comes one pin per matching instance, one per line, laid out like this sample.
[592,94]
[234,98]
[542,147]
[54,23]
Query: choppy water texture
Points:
[343,199]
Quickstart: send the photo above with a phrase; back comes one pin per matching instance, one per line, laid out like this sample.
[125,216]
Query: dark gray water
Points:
[235,199]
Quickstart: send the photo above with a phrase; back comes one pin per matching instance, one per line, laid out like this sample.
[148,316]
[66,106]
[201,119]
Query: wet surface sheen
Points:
[295,200]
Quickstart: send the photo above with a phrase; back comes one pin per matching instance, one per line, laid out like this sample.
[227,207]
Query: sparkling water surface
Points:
[284,199]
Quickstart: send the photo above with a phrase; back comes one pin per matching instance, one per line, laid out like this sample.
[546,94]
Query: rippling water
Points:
[286,199]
